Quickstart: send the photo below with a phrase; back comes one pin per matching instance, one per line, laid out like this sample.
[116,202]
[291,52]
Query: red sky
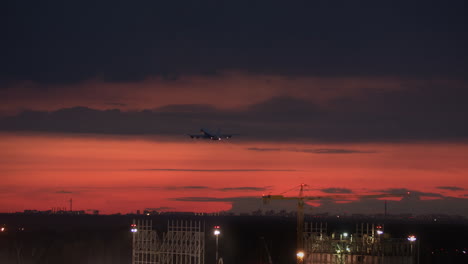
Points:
[123,174]
[95,102]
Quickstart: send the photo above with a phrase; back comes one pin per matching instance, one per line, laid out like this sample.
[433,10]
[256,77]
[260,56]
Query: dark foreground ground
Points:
[59,239]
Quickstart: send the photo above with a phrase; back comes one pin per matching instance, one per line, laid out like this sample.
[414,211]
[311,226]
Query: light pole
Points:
[134,231]
[381,248]
[412,239]
[216,232]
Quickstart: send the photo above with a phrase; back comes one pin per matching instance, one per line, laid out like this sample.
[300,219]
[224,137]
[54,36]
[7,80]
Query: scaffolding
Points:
[183,243]
[366,245]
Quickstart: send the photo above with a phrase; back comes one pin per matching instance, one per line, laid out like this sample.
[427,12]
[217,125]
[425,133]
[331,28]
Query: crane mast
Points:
[300,217]
[300,211]
[300,220]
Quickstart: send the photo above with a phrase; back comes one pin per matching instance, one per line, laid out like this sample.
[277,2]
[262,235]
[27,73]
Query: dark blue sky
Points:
[57,41]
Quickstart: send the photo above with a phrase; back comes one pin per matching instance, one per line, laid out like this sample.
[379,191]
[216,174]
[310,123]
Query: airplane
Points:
[208,135]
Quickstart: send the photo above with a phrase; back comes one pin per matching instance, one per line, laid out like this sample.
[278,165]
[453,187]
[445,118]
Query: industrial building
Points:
[368,244]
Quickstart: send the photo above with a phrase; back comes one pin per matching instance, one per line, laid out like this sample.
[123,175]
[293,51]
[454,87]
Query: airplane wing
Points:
[195,136]
[228,136]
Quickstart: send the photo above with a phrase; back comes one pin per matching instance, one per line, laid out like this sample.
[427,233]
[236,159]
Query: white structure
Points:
[183,243]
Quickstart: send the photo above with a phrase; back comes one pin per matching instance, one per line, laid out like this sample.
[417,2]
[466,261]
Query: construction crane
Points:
[300,216]
[300,211]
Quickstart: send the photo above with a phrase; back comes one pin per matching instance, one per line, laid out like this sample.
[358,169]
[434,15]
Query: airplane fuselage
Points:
[208,135]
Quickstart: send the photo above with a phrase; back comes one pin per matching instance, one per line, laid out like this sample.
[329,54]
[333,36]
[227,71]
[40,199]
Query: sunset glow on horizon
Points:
[98,103]
[126,174]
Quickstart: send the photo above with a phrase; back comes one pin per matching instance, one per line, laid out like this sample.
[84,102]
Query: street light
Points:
[412,239]
[379,230]
[300,256]
[216,232]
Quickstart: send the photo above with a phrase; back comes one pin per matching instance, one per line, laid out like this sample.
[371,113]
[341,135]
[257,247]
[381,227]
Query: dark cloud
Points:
[336,190]
[284,109]
[190,108]
[63,191]
[264,149]
[211,199]
[408,194]
[225,189]
[335,151]
[116,104]
[162,208]
[209,170]
[314,151]
[244,188]
[424,111]
[56,41]
[195,187]
[429,114]
[168,188]
[450,188]
[443,205]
